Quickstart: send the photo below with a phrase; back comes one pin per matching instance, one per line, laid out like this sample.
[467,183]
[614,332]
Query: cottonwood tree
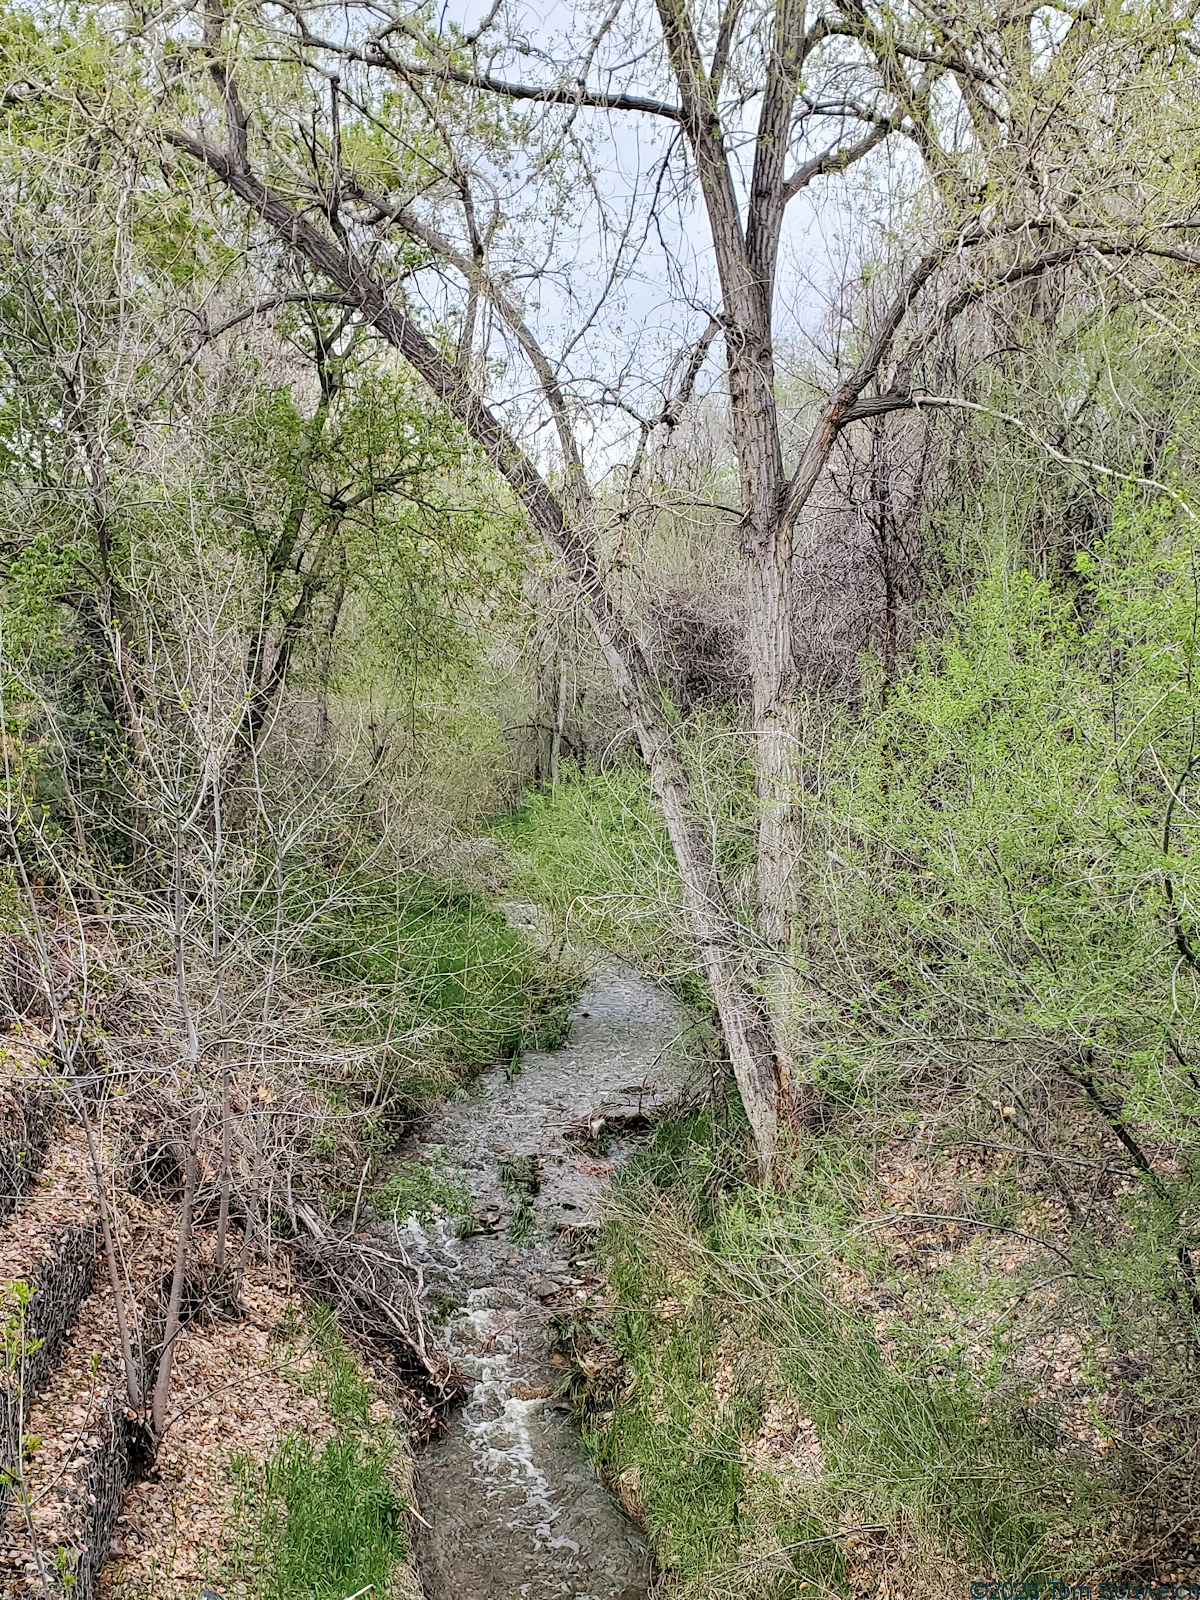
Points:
[418,170]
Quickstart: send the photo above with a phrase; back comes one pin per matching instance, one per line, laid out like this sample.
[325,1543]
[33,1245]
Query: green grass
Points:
[726,1312]
[596,854]
[335,1377]
[443,976]
[416,1190]
[320,1522]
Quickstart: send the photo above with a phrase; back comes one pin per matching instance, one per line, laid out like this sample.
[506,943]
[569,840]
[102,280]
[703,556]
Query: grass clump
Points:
[322,1521]
[419,1191]
[521,1180]
[335,1377]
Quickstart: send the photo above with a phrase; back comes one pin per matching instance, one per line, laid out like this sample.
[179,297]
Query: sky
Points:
[664,298]
[619,334]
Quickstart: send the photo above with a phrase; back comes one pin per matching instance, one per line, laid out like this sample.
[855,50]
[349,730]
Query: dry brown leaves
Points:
[62,1194]
[230,1397]
[63,1425]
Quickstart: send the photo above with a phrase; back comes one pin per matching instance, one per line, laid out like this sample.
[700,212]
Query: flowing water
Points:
[516,1511]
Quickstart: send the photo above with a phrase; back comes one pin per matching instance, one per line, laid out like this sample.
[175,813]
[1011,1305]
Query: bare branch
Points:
[375,54]
[837,158]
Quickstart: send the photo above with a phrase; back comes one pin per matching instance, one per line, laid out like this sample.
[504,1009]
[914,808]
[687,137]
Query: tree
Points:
[195,505]
[382,167]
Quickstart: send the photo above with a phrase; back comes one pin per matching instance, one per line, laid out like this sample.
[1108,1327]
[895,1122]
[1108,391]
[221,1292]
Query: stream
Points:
[515,1509]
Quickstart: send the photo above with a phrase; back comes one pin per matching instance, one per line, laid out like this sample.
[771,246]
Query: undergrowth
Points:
[322,1521]
[441,976]
[777,1432]
[594,852]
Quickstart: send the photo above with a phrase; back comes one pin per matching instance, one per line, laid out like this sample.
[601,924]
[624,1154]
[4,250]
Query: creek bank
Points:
[512,1506]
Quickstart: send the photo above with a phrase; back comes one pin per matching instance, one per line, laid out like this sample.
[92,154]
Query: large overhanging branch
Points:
[342,267]
[477,278]
[571,538]
[837,158]
[375,53]
[574,95]
[746,252]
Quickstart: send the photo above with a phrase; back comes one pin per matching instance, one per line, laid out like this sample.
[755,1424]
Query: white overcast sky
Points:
[647,320]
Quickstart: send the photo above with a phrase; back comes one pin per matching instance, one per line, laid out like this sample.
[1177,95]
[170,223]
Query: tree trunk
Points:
[746,261]
[560,718]
[745,1022]
[769,633]
[173,1323]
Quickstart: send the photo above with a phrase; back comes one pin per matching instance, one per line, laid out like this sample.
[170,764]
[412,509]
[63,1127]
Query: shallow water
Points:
[515,1507]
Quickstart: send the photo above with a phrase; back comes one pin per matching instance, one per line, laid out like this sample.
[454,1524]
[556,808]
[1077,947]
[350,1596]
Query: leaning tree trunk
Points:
[746,1023]
[570,534]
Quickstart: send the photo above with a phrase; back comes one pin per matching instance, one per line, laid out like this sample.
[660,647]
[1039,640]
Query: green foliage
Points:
[998,950]
[335,1376]
[320,1522]
[595,853]
[417,1190]
[280,489]
[15,1348]
[15,1295]
[1013,839]
[738,1345]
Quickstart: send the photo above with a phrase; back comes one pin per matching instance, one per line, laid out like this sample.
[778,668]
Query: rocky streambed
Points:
[512,1507]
